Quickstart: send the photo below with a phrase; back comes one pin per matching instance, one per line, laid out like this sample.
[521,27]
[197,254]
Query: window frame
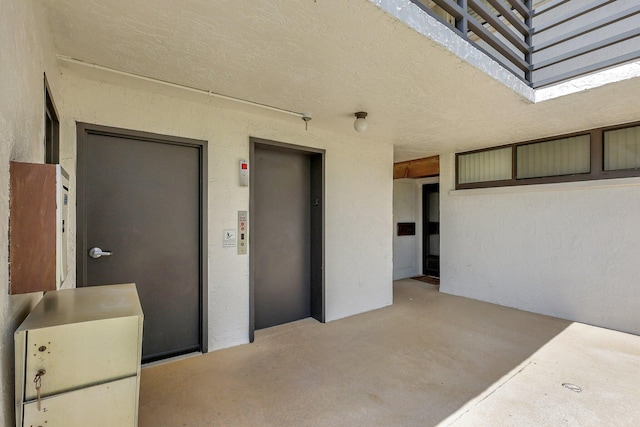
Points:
[51,127]
[597,162]
[636,169]
[502,147]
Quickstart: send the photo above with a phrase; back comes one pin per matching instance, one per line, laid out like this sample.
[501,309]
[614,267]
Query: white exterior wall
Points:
[407,207]
[25,54]
[569,250]
[405,248]
[358,205]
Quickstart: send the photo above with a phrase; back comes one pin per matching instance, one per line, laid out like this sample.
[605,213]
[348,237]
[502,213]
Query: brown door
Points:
[139,202]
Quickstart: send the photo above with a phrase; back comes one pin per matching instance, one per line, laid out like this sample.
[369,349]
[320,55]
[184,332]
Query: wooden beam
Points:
[419,168]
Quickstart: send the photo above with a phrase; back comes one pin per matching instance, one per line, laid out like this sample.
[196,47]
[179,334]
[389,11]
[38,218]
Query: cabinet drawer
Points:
[105,405]
[81,354]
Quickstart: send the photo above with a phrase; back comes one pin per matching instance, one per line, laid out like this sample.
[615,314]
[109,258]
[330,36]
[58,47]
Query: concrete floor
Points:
[430,359]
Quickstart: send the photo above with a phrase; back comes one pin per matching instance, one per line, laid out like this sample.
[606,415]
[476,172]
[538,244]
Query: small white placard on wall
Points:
[229,238]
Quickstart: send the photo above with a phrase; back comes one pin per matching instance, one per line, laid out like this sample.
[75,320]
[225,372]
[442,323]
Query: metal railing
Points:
[545,41]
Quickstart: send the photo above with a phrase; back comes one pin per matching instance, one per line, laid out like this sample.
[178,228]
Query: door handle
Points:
[97,253]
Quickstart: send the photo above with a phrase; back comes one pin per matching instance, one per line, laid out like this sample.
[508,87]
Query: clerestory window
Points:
[603,153]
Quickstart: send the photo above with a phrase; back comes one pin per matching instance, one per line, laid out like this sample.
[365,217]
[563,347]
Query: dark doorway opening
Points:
[431,230]
[287,234]
[51,128]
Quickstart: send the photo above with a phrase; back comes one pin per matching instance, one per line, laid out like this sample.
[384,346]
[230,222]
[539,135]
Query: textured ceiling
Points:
[329,58]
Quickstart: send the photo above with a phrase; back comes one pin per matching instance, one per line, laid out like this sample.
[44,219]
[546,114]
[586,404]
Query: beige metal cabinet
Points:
[83,348]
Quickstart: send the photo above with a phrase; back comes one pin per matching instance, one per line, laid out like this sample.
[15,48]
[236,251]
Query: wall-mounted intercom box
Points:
[38,227]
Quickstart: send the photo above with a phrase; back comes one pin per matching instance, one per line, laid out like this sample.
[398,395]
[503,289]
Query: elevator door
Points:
[282,235]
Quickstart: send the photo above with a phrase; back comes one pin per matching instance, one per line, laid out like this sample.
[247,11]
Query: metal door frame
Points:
[83,130]
[294,149]
[426,245]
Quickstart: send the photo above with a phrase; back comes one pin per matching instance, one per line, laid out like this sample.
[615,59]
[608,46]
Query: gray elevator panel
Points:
[281,231]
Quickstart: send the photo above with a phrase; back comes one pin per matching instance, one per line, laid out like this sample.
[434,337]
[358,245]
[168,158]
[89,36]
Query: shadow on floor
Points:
[411,364]
[428,279]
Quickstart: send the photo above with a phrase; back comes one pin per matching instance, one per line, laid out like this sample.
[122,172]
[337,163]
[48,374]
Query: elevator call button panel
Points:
[243,232]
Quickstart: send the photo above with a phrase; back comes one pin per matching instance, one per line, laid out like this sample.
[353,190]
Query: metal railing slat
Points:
[587,49]
[571,16]
[508,35]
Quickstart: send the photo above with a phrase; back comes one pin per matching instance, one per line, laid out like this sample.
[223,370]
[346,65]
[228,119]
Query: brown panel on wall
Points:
[32,228]
[419,168]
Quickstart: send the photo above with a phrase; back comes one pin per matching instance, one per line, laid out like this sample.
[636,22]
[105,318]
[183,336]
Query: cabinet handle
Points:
[37,381]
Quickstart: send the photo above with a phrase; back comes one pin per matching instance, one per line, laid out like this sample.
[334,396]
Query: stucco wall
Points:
[25,54]
[409,13]
[358,193]
[568,250]
[405,248]
[407,207]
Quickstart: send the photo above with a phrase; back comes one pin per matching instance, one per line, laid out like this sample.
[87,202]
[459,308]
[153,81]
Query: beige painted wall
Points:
[25,54]
[358,189]
[358,178]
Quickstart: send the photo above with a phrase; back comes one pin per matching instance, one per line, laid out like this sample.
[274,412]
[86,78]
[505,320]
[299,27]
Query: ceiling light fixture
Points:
[360,124]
